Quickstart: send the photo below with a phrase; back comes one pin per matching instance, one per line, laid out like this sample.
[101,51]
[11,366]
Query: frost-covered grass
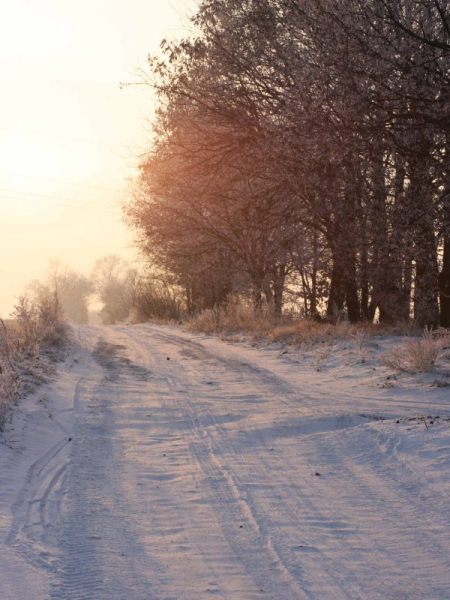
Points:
[9,383]
[235,317]
[400,348]
[418,355]
[238,317]
[307,331]
[30,343]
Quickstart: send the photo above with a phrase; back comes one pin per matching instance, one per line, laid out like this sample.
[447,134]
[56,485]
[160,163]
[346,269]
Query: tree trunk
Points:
[257,292]
[278,289]
[387,249]
[365,310]
[444,275]
[351,289]
[344,237]
[343,287]
[426,307]
[315,263]
[337,290]
[405,302]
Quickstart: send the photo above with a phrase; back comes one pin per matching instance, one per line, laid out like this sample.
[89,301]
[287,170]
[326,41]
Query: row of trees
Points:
[111,285]
[302,153]
[114,292]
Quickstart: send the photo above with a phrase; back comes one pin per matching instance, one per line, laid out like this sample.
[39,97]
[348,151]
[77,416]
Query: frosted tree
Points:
[306,139]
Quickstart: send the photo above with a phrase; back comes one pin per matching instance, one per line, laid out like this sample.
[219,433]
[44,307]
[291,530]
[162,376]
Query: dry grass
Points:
[235,317]
[303,331]
[9,380]
[24,341]
[238,317]
[418,355]
[311,332]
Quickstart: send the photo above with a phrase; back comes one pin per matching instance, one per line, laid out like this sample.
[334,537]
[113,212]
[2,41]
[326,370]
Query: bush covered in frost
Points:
[27,346]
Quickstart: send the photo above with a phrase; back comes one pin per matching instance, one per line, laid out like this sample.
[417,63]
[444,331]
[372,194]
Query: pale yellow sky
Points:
[69,136]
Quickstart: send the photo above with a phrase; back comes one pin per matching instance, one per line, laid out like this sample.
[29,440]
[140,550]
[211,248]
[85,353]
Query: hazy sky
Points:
[69,136]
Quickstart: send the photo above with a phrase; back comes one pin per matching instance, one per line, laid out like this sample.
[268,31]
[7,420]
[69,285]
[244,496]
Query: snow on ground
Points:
[161,464]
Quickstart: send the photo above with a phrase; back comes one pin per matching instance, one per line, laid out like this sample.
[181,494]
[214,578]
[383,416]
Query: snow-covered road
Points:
[163,465]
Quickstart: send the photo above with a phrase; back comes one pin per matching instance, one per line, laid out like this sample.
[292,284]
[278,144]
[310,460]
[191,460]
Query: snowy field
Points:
[169,466]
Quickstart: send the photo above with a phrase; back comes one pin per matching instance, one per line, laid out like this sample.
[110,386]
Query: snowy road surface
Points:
[163,465]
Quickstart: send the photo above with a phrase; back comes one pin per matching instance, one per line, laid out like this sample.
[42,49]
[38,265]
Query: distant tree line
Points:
[118,292]
[302,152]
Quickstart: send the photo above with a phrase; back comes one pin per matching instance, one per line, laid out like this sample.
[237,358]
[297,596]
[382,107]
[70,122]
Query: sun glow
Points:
[69,136]
[29,167]
[24,156]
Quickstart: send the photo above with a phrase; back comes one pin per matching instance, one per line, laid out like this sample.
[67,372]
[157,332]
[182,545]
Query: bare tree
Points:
[290,121]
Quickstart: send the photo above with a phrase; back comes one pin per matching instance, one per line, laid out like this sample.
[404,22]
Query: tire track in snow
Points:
[288,505]
[223,499]
[100,554]
[36,512]
[242,528]
[368,491]
[378,404]
[212,494]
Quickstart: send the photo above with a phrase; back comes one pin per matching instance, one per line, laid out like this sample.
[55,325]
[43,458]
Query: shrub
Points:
[9,383]
[35,327]
[155,300]
[234,317]
[417,355]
